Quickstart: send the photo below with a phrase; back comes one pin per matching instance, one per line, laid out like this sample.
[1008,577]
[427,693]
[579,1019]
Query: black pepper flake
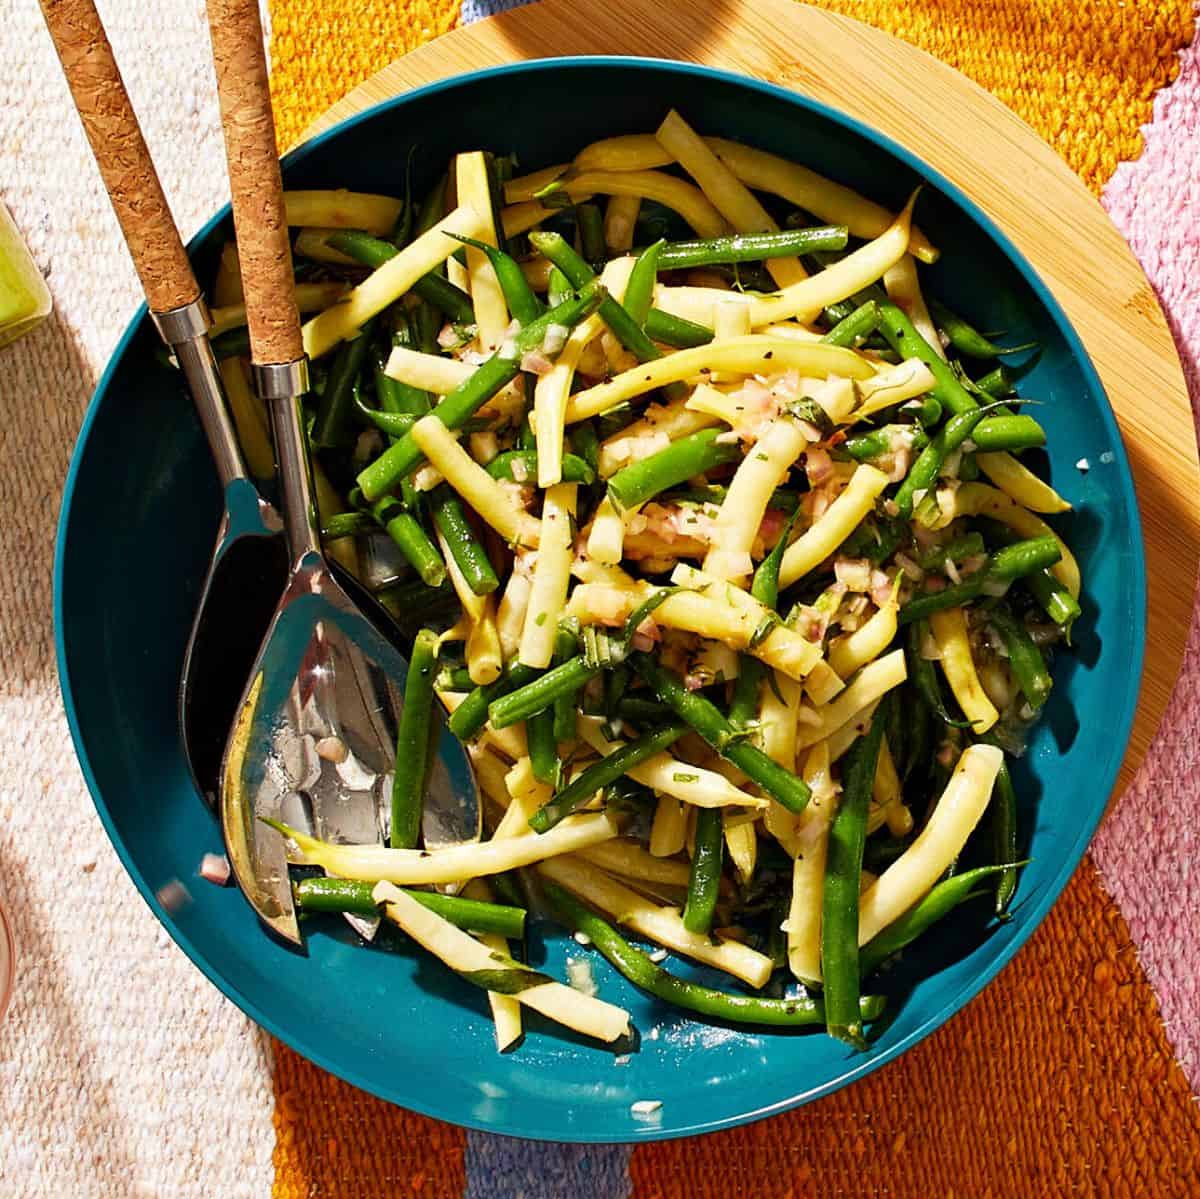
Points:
[768,354]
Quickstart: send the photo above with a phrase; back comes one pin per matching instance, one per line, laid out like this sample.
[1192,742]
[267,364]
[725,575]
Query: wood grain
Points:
[1055,222]
[125,165]
[260,222]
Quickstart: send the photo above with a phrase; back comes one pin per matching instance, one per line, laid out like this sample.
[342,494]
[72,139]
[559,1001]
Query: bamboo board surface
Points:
[1057,224]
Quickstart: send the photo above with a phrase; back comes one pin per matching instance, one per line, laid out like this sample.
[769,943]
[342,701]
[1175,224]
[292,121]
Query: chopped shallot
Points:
[214,867]
[555,338]
[536,363]
[818,466]
[853,573]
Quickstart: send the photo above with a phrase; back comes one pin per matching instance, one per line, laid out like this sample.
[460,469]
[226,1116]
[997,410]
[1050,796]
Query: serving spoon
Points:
[248,567]
[313,742]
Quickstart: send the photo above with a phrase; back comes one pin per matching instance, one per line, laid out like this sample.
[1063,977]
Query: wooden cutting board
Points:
[1059,225]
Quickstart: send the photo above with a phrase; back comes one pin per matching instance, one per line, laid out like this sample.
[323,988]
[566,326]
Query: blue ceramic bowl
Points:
[138,519]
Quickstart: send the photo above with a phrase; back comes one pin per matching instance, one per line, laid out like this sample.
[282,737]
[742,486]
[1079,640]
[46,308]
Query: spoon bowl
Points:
[314,741]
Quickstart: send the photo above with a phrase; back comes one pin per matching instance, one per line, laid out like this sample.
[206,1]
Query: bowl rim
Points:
[1068,862]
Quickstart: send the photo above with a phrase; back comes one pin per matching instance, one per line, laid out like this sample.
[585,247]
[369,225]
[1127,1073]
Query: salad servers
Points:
[313,742]
[248,567]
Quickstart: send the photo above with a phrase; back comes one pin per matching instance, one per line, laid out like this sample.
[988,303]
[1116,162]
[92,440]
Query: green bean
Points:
[413,743]
[922,674]
[843,875]
[349,895]
[1060,605]
[395,397]
[996,383]
[875,538]
[559,289]
[704,882]
[752,672]
[747,687]
[525,463]
[347,524]
[638,710]
[1013,433]
[411,604]
[468,719]
[675,331]
[453,302]
[374,252]
[425,322]
[678,462]
[414,543]
[966,546]
[834,314]
[1012,562]
[499,171]
[853,330]
[940,901]
[475,391]
[540,693]
[526,437]
[720,1005]
[1004,837]
[566,646]
[623,327]
[543,750]
[450,519]
[1024,658]
[433,207]
[393,424]
[614,420]
[875,443]
[639,291]
[908,343]
[600,774]
[965,338]
[730,743]
[1051,595]
[930,411]
[751,247]
[331,426]
[402,229]
[764,587]
[590,221]
[924,471]
[518,295]
[586,444]
[457,679]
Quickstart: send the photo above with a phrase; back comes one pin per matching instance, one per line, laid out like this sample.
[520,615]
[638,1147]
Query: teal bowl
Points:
[138,519]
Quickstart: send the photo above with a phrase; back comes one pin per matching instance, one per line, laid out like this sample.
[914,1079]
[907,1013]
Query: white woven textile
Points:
[123,1072]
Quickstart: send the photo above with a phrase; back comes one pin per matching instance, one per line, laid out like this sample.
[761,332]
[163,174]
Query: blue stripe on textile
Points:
[473,10]
[504,1166]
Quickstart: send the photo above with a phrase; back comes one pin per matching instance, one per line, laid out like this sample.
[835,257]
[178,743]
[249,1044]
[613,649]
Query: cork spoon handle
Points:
[255,182]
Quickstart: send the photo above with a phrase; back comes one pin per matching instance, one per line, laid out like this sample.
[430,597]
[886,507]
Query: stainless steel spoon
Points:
[314,738]
[249,566]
